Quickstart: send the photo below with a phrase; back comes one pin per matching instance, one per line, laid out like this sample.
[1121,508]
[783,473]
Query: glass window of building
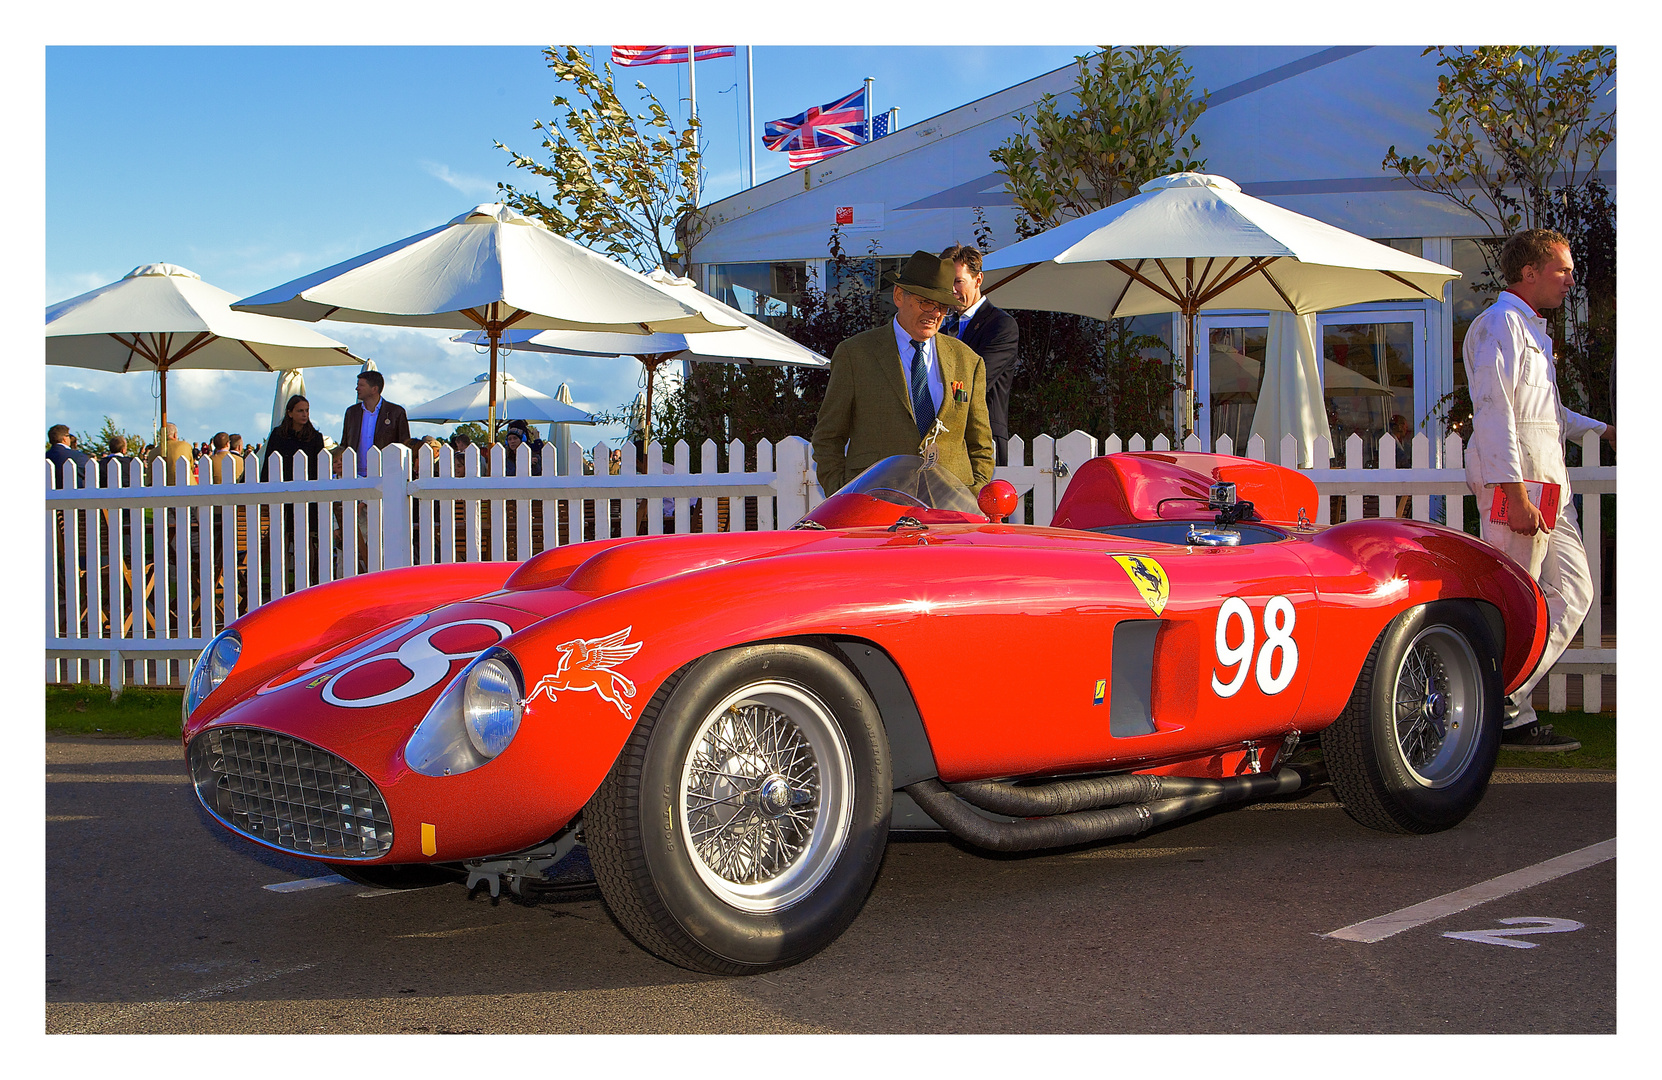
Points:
[1236,368]
[1367,379]
[771,292]
[864,276]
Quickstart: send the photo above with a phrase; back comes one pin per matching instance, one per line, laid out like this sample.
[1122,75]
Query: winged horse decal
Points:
[586,664]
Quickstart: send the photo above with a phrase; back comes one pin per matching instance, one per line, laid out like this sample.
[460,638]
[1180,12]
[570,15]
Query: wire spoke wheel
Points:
[766,796]
[1437,706]
[743,824]
[1413,750]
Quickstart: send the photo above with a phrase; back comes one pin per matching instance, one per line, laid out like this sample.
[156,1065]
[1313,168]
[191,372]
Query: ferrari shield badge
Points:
[586,664]
[1149,577]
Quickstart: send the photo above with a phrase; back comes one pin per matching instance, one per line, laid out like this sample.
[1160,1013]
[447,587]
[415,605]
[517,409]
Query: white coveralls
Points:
[1519,426]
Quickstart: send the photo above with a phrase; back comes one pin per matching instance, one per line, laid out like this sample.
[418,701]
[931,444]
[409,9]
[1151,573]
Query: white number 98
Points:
[1279,617]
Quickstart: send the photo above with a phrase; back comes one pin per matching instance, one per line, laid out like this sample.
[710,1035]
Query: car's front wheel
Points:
[743,824]
[1415,746]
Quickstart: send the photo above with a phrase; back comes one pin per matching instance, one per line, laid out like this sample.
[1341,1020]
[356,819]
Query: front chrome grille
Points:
[289,794]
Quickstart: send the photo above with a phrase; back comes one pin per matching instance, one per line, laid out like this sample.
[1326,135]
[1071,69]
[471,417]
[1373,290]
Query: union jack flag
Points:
[638,55]
[880,128]
[832,127]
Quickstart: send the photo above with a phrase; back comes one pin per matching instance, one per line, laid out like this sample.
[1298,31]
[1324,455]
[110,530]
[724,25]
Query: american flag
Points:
[880,127]
[638,55]
[824,129]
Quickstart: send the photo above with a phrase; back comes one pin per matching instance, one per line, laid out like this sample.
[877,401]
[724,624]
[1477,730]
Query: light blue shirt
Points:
[937,388]
[366,436]
[967,314]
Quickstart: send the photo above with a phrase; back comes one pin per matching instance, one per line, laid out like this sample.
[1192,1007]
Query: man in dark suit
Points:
[387,423]
[890,385]
[59,451]
[990,331]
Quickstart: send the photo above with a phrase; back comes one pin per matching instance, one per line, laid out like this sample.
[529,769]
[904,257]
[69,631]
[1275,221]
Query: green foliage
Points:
[1521,131]
[473,430]
[622,183]
[99,444]
[1133,109]
[1101,378]
[1515,125]
[737,401]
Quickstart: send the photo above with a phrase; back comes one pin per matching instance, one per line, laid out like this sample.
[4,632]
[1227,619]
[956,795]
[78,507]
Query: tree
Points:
[622,183]
[99,444]
[733,401]
[1133,108]
[1518,129]
[1521,131]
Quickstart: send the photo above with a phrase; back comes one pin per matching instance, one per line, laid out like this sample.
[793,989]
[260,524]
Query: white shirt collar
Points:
[1518,304]
[969,313]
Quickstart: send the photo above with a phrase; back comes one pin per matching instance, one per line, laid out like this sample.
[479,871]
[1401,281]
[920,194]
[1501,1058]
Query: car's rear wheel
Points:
[743,824]
[1416,744]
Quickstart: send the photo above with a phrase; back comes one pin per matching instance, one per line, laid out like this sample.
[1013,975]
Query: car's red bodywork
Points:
[1003,634]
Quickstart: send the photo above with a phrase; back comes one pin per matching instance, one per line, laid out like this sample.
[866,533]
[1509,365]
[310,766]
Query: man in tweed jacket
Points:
[883,379]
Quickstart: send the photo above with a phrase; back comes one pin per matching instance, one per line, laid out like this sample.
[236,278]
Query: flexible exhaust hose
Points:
[1190,796]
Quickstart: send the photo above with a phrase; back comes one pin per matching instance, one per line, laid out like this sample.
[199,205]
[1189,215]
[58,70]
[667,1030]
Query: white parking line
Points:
[308,883]
[1396,922]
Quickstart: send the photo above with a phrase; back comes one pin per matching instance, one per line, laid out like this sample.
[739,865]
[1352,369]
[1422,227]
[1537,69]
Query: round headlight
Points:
[212,667]
[490,706]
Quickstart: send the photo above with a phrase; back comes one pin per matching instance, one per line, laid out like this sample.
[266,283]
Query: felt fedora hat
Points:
[928,276]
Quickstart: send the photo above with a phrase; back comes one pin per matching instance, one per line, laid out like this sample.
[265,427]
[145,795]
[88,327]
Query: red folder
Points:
[1544,495]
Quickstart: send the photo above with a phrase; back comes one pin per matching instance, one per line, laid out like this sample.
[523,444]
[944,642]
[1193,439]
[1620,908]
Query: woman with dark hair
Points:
[294,433]
[297,433]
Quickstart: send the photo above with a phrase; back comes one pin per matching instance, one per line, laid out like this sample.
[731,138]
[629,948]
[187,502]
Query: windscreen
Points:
[905,479]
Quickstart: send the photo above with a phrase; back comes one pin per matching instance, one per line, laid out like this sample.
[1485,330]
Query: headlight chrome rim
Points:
[446,742]
[213,666]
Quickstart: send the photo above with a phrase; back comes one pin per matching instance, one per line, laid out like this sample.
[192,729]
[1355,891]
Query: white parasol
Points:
[488,269]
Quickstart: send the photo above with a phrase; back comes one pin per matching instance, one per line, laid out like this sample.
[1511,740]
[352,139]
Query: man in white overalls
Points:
[1519,426]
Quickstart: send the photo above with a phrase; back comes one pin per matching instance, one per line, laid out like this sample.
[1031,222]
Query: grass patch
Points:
[1597,732]
[140,712]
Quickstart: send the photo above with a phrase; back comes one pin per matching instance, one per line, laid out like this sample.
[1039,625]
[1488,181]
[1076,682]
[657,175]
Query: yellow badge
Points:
[1149,577]
[429,839]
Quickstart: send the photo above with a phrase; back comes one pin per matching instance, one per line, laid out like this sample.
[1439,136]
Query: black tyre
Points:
[1414,748]
[742,826]
[399,876]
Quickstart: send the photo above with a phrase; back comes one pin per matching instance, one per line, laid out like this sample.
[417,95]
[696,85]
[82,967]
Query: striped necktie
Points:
[923,406]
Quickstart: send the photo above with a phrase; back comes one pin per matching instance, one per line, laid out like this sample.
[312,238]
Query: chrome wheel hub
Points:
[1437,701]
[766,796]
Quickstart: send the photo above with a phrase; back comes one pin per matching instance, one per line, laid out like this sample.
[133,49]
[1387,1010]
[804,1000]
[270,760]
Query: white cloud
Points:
[471,186]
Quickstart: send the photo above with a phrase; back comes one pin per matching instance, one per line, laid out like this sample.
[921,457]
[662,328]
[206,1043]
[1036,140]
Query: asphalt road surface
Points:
[158,920]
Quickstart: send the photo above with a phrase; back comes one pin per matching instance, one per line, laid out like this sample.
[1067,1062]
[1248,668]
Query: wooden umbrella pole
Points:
[1189,361]
[495,332]
[493,328]
[646,421]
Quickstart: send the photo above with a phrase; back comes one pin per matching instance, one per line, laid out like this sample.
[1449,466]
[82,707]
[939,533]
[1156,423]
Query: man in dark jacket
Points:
[991,332]
[373,421]
[59,451]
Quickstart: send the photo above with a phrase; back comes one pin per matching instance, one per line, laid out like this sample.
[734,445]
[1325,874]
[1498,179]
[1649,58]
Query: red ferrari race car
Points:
[730,722]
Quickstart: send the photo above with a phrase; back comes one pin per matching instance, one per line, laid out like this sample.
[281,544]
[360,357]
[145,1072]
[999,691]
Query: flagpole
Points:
[750,110]
[869,81]
[692,107]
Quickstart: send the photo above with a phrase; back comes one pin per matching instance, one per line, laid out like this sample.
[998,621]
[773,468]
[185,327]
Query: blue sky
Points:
[254,165]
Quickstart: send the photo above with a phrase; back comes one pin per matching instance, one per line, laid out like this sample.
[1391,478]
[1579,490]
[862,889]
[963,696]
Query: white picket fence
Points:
[140,577]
